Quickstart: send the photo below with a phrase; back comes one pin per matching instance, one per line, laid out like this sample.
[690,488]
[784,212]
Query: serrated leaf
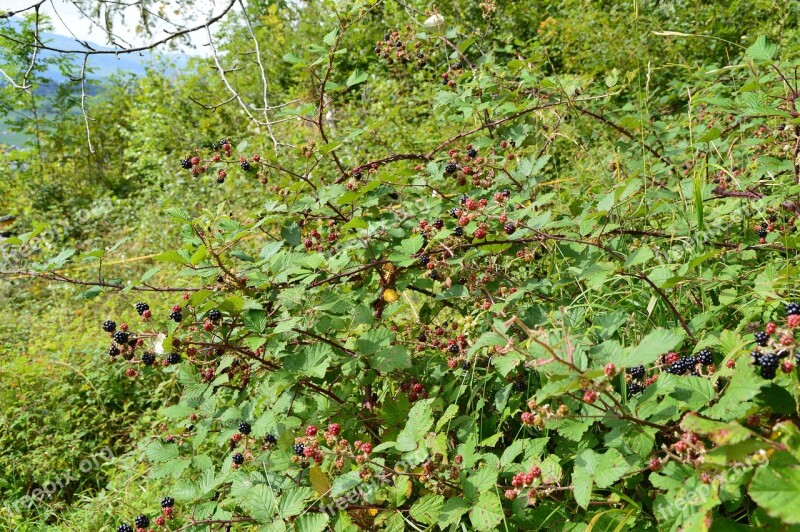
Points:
[776,489]
[391,358]
[311,522]
[420,420]
[426,510]
[762,49]
[293,501]
[357,77]
[259,502]
[659,341]
[487,513]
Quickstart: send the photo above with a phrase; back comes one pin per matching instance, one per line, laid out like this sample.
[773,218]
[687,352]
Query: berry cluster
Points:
[198,165]
[438,475]
[414,390]
[537,416]
[307,449]
[401,48]
[522,481]
[775,345]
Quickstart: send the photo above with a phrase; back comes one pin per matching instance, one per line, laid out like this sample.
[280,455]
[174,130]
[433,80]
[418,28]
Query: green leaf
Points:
[600,469]
[426,510]
[776,489]
[420,420]
[762,49]
[259,502]
[451,511]
[311,522]
[293,501]
[487,513]
[391,358]
[357,77]
[659,341]
[256,321]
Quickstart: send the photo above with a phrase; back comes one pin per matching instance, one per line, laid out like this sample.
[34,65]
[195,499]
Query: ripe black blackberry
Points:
[214,315]
[434,275]
[109,326]
[463,199]
[458,231]
[186,164]
[762,233]
[245,428]
[148,359]
[124,527]
[681,366]
[424,260]
[782,353]
[458,65]
[113,350]
[245,166]
[270,439]
[438,223]
[637,372]
[465,365]
[472,152]
[509,228]
[142,521]
[223,142]
[756,356]
[173,358]
[167,502]
[238,458]
[299,448]
[175,316]
[141,307]
[761,338]
[768,373]
[358,176]
[520,386]
[453,348]
[422,338]
[705,357]
[769,360]
[634,387]
[455,212]
[121,337]
[792,309]
[450,168]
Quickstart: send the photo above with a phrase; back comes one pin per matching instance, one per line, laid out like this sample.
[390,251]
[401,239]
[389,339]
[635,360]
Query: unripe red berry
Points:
[366,448]
[176,308]
[334,429]
[311,430]
[787,366]
[511,494]
[535,471]
[527,418]
[590,396]
[680,446]
[771,327]
[610,370]
[654,464]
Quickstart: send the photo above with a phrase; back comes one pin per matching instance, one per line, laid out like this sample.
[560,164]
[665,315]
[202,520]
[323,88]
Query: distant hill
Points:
[104,65]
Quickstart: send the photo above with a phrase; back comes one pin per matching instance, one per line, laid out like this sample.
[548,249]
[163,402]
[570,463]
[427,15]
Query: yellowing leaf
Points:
[319,481]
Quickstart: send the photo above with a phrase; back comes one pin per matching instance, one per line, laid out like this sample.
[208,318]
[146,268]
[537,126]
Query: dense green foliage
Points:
[510,272]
